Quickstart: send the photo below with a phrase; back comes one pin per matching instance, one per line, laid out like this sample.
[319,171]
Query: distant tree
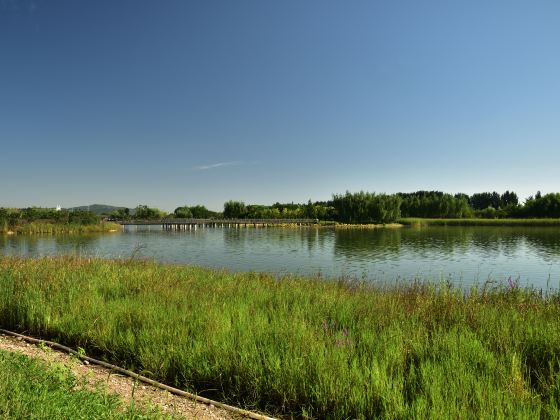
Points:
[235,210]
[487,213]
[121,214]
[148,213]
[183,212]
[201,212]
[83,217]
[366,207]
[509,198]
[543,205]
[538,195]
[480,201]
[435,204]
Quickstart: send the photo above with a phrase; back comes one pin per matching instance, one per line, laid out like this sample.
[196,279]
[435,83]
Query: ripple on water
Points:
[467,255]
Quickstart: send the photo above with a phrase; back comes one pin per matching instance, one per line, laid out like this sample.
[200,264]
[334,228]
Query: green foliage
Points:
[435,204]
[493,205]
[121,214]
[365,207]
[144,212]
[22,219]
[235,210]
[31,389]
[196,212]
[543,206]
[83,218]
[326,349]
[201,212]
[183,212]
[480,201]
[420,222]
[317,210]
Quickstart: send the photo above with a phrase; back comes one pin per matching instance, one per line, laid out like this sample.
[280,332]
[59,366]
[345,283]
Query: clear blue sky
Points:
[169,103]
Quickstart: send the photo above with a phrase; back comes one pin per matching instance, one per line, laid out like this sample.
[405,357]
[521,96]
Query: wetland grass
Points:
[424,222]
[301,346]
[59,228]
[33,389]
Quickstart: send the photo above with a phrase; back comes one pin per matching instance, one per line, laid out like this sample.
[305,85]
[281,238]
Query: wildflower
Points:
[512,283]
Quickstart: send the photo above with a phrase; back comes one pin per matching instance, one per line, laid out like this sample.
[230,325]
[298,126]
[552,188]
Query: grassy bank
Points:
[54,228]
[32,389]
[420,222]
[301,346]
[346,226]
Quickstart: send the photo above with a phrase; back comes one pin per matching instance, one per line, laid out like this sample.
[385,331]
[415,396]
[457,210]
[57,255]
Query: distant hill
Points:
[97,208]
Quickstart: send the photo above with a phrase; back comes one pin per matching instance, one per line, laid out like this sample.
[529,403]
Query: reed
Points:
[301,346]
[59,228]
[421,222]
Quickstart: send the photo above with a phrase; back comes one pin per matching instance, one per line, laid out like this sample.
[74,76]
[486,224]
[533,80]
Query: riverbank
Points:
[300,346]
[33,388]
[420,222]
[59,228]
[66,387]
[336,225]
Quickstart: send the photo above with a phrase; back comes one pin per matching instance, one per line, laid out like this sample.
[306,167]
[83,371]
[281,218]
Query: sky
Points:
[171,103]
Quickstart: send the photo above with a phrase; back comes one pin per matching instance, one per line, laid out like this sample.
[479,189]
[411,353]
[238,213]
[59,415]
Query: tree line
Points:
[367,207]
[358,207]
[10,217]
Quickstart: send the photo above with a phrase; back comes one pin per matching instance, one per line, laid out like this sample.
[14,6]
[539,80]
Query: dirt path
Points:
[123,386]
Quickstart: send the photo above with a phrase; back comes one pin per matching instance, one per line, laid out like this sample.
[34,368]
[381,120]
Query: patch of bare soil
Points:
[126,388]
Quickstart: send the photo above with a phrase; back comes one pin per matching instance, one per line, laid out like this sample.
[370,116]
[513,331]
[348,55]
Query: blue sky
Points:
[169,103]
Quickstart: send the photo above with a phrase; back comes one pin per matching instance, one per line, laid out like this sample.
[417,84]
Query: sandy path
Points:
[123,386]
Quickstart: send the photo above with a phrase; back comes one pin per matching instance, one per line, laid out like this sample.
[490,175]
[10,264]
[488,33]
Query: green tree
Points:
[147,213]
[235,210]
[183,212]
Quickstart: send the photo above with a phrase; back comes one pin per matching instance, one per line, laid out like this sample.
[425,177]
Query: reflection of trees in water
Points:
[287,238]
[20,245]
[545,241]
[314,239]
[76,244]
[359,243]
[510,240]
[426,242]
[234,238]
[76,240]
[36,245]
[486,241]
[445,240]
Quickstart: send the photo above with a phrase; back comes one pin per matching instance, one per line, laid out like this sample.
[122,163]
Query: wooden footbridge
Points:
[191,224]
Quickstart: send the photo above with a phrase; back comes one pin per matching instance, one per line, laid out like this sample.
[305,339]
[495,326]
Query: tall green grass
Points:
[32,389]
[301,346]
[58,228]
[419,222]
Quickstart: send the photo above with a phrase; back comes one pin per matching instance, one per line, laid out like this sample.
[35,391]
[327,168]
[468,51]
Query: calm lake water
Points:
[466,255]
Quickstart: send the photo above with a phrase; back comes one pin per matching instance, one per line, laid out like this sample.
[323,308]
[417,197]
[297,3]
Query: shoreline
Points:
[34,228]
[298,345]
[426,222]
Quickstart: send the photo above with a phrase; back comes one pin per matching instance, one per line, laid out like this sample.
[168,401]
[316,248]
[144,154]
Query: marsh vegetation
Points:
[301,346]
[33,389]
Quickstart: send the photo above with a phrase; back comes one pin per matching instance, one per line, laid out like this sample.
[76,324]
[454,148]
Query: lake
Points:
[464,255]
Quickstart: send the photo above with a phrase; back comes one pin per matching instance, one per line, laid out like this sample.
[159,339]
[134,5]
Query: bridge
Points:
[190,224]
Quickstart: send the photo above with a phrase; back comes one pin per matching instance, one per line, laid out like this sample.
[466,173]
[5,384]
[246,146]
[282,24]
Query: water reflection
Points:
[466,254]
